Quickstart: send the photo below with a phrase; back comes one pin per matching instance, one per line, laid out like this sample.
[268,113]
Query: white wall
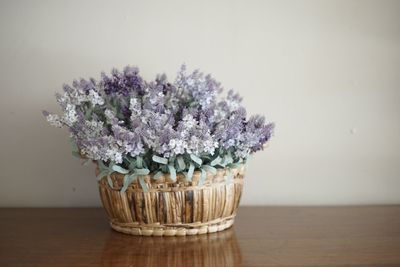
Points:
[327,72]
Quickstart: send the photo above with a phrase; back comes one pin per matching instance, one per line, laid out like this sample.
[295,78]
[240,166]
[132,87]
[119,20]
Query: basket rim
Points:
[165,178]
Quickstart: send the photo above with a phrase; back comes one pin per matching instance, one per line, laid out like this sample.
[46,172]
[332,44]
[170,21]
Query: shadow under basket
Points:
[173,208]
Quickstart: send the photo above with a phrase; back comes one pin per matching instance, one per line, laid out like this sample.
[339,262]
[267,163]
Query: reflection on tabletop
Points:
[217,249]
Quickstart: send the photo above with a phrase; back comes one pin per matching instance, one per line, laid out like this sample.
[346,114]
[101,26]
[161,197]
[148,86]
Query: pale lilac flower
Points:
[95,98]
[53,119]
[123,117]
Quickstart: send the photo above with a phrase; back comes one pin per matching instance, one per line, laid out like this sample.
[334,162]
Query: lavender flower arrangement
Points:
[135,127]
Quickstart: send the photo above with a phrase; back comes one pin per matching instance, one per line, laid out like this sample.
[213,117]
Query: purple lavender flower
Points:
[123,117]
[123,83]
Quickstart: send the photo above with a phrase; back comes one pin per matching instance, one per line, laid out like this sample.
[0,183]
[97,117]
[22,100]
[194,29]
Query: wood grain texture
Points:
[261,236]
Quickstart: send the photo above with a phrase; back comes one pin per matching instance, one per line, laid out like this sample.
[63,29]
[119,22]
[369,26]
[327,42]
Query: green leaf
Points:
[216,161]
[73,144]
[164,168]
[172,171]
[102,174]
[158,175]
[128,159]
[181,163]
[128,179]
[210,169]
[76,154]
[235,165]
[196,159]
[101,165]
[143,184]
[202,177]
[190,171]
[160,160]
[139,162]
[126,184]
[110,183]
[172,159]
[88,113]
[142,171]
[119,169]
[228,159]
[132,165]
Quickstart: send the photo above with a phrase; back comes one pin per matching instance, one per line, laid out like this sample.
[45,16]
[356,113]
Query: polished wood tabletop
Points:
[261,236]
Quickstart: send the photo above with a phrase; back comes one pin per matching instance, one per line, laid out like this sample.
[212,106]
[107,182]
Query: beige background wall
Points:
[327,72]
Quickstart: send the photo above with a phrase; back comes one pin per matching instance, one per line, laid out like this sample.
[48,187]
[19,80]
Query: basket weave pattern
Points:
[173,208]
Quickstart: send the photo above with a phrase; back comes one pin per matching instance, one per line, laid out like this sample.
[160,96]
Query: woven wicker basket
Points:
[173,208]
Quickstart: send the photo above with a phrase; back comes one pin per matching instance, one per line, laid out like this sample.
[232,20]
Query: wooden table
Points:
[262,236]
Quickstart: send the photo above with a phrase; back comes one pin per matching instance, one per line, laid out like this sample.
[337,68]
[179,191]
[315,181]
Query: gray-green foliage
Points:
[136,168]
